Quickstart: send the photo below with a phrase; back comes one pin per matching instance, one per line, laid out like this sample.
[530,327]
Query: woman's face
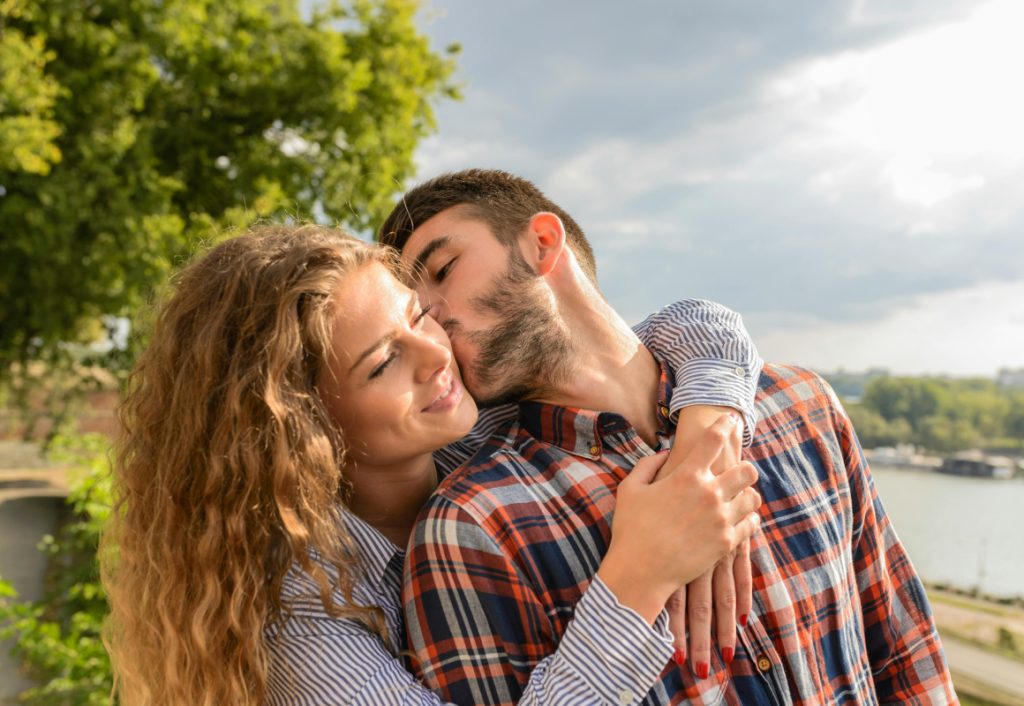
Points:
[392,385]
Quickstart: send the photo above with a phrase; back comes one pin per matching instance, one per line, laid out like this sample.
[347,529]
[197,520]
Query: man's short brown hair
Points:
[503,201]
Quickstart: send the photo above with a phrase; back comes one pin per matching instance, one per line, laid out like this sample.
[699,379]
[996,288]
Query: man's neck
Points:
[612,371]
[390,498]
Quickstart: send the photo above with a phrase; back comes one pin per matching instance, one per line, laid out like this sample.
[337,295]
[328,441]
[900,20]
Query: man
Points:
[508,543]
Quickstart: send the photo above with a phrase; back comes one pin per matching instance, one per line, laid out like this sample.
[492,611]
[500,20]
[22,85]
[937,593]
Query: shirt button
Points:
[625,697]
[739,372]
[595,450]
[664,411]
[763,663]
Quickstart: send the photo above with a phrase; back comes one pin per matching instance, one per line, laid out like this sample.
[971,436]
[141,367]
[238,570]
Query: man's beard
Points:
[529,351]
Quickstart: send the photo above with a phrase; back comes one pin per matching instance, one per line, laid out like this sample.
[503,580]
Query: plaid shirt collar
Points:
[581,432]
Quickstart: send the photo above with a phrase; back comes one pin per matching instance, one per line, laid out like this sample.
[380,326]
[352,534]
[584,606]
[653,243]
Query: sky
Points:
[846,174]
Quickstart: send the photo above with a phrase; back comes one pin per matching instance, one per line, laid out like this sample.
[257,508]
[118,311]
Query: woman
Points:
[277,440]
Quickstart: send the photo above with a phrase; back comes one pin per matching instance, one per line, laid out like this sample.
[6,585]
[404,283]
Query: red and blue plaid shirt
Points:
[507,545]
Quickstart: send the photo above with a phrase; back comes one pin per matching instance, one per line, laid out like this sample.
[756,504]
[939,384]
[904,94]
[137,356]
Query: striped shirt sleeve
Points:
[706,346]
[607,656]
[711,355]
[903,647]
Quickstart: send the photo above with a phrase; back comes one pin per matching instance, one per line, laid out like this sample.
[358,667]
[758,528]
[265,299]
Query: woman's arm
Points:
[608,651]
[613,650]
[712,357]
[715,366]
[478,626]
[713,360]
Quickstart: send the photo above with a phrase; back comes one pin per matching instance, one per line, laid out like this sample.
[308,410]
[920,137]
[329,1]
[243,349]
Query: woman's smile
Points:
[392,384]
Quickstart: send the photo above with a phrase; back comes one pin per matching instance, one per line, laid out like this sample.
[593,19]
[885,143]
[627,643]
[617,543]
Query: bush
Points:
[59,637]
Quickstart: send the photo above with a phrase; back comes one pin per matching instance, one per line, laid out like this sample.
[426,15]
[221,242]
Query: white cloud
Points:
[976,331]
[939,110]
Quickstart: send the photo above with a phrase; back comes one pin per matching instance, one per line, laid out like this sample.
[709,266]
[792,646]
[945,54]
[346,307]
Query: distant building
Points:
[902,457]
[1009,377]
[978,465]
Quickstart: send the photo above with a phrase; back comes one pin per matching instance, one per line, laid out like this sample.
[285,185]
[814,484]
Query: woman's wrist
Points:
[639,593]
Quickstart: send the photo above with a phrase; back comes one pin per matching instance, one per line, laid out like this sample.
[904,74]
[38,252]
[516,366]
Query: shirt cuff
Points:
[712,381]
[612,649]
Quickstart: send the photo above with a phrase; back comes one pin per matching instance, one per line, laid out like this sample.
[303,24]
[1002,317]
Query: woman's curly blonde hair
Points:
[228,470]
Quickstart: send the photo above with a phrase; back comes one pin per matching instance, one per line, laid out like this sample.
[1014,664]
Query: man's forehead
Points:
[441,230]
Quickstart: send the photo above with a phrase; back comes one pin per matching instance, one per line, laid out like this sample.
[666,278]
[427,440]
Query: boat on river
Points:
[976,464]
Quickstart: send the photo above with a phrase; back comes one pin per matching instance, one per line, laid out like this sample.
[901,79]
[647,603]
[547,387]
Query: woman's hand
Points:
[723,596]
[667,531]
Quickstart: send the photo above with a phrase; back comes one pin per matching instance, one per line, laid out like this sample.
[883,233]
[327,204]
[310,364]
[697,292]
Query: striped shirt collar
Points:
[581,431]
[376,551]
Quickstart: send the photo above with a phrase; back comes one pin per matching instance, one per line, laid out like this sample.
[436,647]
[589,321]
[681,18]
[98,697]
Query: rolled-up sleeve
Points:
[712,357]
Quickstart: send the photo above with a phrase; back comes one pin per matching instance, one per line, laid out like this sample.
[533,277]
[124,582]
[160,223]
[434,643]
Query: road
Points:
[973,665]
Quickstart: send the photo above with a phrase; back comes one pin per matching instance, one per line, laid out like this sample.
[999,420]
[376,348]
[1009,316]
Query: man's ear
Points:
[545,242]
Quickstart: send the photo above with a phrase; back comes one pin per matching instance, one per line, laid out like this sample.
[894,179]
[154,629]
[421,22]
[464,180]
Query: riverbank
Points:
[984,644]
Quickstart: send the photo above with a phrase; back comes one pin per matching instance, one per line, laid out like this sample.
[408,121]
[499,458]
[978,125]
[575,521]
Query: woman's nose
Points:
[433,356]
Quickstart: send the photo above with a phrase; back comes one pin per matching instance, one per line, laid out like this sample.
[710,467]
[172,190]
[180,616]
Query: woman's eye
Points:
[445,269]
[379,370]
[422,315]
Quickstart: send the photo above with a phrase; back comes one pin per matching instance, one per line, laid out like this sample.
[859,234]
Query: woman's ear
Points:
[545,242]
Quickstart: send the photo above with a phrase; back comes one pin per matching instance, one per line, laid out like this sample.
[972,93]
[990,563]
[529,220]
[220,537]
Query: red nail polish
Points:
[702,670]
[743,620]
[679,657]
[727,653]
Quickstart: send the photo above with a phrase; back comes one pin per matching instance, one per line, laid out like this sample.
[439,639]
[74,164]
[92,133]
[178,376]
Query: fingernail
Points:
[702,670]
[743,620]
[679,657]
[727,655]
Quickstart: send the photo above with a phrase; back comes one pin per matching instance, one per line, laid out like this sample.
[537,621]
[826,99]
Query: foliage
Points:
[942,415]
[60,636]
[40,402]
[874,430]
[131,130]
[27,97]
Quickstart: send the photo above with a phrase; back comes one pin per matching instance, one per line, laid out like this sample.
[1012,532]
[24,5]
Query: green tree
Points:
[874,430]
[27,98]
[1015,418]
[910,398]
[943,433]
[981,406]
[130,130]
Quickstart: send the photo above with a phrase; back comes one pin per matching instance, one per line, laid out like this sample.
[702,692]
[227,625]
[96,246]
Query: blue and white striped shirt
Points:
[608,654]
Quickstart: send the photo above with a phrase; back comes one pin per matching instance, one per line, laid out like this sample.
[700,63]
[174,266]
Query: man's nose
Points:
[438,307]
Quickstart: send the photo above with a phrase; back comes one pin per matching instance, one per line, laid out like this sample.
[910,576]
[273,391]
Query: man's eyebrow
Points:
[433,246]
[383,340]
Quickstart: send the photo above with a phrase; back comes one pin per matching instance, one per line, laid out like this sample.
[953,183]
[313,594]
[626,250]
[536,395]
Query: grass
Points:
[968,603]
[972,701]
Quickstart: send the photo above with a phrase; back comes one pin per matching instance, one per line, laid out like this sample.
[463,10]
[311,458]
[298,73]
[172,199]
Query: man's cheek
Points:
[466,355]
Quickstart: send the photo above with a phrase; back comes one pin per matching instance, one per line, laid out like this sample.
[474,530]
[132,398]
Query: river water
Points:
[967,532]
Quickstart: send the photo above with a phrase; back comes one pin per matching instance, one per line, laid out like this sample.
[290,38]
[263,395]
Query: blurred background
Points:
[847,174]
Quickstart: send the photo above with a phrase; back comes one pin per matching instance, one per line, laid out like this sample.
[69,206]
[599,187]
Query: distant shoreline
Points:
[1004,601]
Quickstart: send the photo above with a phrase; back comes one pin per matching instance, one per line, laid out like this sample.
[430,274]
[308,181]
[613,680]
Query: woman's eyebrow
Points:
[383,340]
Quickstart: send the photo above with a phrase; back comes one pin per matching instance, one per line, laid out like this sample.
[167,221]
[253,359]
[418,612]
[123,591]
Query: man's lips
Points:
[449,395]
